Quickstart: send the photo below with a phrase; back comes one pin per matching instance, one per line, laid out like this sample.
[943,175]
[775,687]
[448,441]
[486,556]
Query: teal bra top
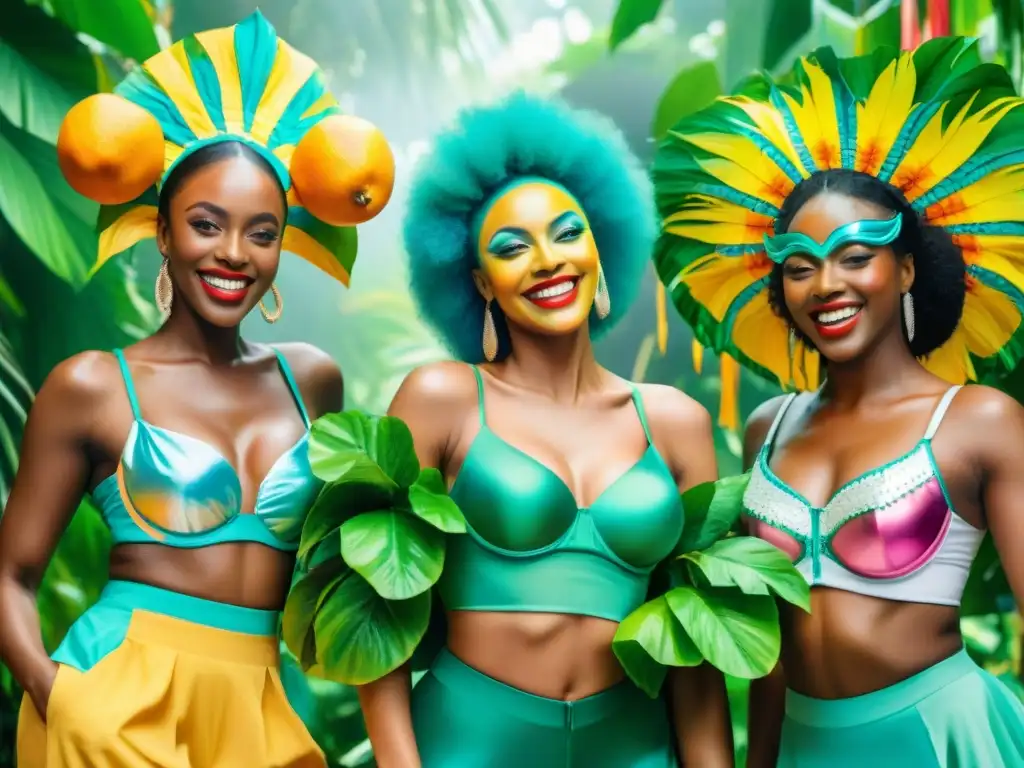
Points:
[530,547]
[173,489]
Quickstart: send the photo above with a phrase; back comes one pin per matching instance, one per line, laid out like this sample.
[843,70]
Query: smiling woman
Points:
[193,443]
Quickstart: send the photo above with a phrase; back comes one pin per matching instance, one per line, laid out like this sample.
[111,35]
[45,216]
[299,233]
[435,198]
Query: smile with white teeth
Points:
[552,291]
[834,316]
[223,283]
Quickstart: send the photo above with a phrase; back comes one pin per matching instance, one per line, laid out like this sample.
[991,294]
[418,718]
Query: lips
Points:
[837,319]
[555,293]
[224,285]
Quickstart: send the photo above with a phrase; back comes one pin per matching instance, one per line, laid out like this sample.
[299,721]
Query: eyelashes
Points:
[209,228]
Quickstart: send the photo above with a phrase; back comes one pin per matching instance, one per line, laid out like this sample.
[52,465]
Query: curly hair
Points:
[486,149]
[940,284]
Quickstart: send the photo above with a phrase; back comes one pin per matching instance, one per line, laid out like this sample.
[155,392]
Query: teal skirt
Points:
[465,719]
[951,715]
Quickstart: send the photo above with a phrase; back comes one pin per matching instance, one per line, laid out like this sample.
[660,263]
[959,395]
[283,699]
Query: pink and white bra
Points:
[890,533]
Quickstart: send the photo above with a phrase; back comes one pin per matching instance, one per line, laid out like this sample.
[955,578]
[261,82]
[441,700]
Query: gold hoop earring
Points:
[602,300]
[273,317]
[163,293]
[490,340]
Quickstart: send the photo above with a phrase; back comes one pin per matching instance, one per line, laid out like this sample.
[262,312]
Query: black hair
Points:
[940,276]
[208,155]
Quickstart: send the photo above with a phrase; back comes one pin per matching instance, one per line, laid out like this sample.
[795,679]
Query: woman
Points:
[191,442]
[528,231]
[881,237]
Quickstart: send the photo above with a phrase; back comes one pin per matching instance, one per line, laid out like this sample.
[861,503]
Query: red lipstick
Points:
[224,285]
[558,300]
[841,326]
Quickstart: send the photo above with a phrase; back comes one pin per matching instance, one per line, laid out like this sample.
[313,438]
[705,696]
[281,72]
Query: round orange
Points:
[343,170]
[109,149]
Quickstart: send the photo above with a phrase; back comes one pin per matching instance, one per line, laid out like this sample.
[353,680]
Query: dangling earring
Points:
[164,290]
[278,303]
[490,335]
[908,315]
[792,345]
[602,301]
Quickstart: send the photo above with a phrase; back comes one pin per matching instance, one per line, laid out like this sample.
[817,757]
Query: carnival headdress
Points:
[240,83]
[936,123]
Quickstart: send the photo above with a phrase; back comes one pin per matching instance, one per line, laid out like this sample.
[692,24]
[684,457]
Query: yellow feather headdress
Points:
[240,83]
[937,123]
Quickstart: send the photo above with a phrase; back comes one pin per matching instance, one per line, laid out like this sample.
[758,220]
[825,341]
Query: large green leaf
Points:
[32,215]
[354,447]
[429,500]
[306,596]
[629,17]
[753,565]
[15,399]
[360,636]
[737,633]
[398,554]
[29,98]
[691,90]
[788,22]
[853,28]
[711,509]
[124,25]
[337,503]
[649,640]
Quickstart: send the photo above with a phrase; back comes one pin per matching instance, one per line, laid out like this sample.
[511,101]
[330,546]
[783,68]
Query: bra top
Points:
[177,490]
[530,547]
[890,533]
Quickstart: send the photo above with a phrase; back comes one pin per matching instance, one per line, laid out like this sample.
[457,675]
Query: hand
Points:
[40,692]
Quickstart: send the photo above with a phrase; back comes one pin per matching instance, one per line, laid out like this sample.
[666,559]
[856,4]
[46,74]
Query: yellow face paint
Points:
[538,258]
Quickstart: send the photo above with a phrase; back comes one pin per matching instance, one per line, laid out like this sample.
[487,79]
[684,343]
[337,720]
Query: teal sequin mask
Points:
[870,232]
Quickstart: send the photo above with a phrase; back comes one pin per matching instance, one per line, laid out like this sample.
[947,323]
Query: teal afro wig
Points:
[491,146]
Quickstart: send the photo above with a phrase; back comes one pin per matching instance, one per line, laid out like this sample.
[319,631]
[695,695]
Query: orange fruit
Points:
[343,170]
[109,149]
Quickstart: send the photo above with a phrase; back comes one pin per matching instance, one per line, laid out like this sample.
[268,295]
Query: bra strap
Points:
[940,411]
[638,402]
[770,437]
[286,371]
[129,387]
[479,394]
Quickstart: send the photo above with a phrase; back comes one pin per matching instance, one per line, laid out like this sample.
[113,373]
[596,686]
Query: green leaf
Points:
[755,566]
[690,91]
[354,447]
[711,509]
[650,639]
[629,17]
[788,22]
[10,299]
[124,25]
[398,554]
[29,210]
[29,98]
[429,500]
[360,636]
[304,598]
[336,503]
[737,633]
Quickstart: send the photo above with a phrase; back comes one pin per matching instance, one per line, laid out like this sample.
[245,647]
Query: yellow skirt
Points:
[153,678]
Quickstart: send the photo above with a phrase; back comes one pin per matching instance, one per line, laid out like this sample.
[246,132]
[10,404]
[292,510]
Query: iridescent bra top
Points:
[890,533]
[176,490]
[531,547]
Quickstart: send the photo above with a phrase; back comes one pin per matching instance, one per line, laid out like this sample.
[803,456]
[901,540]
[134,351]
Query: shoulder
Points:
[988,420]
[759,423]
[85,379]
[446,385]
[317,375]
[668,408]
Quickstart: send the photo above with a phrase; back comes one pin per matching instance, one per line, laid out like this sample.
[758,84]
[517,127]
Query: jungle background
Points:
[406,65]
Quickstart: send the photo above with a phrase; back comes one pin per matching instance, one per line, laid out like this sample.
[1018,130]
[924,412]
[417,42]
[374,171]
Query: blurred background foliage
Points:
[407,65]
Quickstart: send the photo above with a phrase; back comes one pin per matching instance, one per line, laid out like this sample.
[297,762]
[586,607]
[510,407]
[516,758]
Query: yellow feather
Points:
[697,352]
[816,118]
[301,244]
[326,101]
[729,413]
[771,125]
[936,153]
[883,114]
[994,198]
[1008,249]
[172,73]
[990,319]
[743,166]
[764,338]
[219,45]
[171,152]
[136,225]
[950,362]
[717,221]
[661,313]
[290,72]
